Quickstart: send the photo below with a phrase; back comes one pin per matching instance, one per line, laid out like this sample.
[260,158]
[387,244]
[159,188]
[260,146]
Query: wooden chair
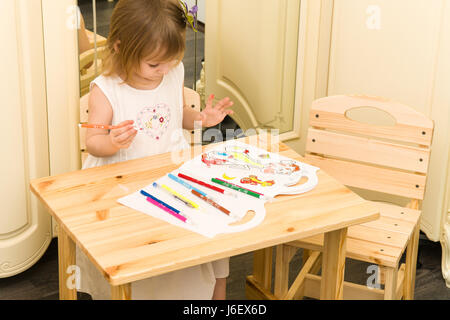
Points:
[192,99]
[101,41]
[84,109]
[388,159]
[88,70]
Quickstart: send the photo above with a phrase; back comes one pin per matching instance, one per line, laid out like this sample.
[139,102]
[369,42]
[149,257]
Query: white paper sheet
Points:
[250,161]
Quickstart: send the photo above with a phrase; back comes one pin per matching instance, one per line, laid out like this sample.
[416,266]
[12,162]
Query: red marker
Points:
[207,185]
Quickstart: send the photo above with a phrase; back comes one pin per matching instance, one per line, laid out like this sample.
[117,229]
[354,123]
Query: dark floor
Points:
[41,280]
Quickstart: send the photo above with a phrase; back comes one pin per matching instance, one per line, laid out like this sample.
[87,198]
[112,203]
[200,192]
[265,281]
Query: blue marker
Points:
[184,183]
[159,201]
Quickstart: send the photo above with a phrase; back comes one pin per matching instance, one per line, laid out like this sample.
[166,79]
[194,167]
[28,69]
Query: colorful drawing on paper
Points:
[237,157]
[227,177]
[253,180]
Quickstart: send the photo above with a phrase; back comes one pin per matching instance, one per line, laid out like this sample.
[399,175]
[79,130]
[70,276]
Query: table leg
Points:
[66,259]
[333,265]
[122,292]
[262,267]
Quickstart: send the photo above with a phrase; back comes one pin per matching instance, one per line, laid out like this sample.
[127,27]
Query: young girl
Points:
[141,91]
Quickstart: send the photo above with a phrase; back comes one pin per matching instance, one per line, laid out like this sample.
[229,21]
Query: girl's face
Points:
[153,70]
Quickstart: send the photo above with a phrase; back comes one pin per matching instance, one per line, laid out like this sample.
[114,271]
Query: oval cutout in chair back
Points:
[371,115]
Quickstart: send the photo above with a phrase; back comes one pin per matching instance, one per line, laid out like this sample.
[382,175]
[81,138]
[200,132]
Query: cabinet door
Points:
[25,227]
[251,57]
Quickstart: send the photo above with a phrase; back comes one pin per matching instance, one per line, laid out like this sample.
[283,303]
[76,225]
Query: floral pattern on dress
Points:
[154,120]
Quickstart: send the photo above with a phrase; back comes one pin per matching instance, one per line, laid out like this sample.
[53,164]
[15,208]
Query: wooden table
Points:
[127,245]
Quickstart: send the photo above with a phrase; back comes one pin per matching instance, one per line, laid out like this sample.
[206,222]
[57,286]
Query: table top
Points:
[128,245]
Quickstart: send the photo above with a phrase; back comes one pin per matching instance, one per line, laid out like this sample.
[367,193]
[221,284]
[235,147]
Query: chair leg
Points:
[411,264]
[418,263]
[297,289]
[390,287]
[305,256]
[381,275]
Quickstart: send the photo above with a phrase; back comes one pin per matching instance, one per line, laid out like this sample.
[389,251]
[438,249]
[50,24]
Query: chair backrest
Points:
[88,70]
[391,158]
[192,99]
[84,109]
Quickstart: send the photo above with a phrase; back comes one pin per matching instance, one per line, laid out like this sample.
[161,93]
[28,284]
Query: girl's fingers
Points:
[210,101]
[121,138]
[125,123]
[130,139]
[223,104]
[119,131]
[228,105]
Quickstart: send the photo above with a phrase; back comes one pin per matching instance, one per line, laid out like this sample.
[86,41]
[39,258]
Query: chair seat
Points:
[382,241]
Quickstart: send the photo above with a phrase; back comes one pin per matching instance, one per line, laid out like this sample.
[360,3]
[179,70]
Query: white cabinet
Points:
[25,227]
[39,94]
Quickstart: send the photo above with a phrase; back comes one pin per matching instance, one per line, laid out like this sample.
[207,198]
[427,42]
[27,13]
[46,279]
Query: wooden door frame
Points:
[62,85]
[62,77]
[314,45]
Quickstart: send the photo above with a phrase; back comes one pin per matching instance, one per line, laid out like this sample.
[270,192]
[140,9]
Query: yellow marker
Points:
[177,195]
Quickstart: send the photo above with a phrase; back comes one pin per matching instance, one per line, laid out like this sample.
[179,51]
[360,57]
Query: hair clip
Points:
[190,14]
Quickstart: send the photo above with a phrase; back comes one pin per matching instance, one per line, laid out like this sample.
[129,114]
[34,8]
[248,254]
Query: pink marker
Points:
[159,205]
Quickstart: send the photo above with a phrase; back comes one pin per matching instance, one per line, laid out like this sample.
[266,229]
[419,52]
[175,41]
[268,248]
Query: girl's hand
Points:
[210,116]
[122,137]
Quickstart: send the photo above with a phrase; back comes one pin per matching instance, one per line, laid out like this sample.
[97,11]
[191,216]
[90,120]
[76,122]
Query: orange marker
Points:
[216,205]
[102,126]
[98,126]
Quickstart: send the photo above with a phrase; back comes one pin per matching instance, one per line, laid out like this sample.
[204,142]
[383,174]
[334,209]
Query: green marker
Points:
[237,188]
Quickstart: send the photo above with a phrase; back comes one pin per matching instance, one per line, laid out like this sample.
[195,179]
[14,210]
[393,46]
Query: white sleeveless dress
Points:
[159,114]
